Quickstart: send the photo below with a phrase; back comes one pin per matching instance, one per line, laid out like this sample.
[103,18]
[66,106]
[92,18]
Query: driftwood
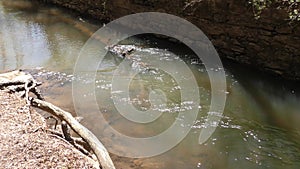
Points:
[67,136]
[19,81]
[97,147]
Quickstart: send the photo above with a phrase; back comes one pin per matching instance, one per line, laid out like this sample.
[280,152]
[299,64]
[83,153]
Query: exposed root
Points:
[21,82]
[96,146]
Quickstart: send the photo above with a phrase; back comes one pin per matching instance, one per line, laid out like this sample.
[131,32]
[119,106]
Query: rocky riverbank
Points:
[270,43]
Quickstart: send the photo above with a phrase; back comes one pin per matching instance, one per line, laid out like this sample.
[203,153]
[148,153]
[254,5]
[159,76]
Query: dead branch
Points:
[19,81]
[96,146]
[66,131]
[77,140]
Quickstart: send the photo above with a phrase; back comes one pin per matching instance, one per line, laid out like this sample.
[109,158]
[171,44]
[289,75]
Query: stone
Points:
[233,19]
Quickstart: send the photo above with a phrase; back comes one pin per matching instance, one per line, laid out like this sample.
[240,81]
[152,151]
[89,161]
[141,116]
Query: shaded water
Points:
[259,127]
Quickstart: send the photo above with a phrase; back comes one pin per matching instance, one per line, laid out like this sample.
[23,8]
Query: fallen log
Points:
[96,146]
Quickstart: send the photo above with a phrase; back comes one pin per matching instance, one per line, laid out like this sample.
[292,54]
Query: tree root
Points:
[19,81]
[96,146]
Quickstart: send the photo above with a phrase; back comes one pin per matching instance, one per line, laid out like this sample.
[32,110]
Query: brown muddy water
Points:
[259,128]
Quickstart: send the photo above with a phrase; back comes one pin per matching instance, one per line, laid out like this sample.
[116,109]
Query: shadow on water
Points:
[274,124]
[259,127]
[276,97]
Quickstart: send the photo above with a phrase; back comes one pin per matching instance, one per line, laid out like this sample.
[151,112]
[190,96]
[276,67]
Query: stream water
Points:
[259,127]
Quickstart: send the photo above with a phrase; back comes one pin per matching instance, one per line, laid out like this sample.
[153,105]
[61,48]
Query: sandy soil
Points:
[25,143]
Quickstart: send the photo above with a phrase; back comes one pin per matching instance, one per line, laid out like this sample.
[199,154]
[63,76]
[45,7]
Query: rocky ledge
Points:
[270,43]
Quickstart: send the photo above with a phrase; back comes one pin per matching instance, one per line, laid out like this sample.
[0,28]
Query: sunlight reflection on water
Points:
[259,128]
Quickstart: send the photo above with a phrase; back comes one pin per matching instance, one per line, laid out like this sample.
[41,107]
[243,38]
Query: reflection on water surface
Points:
[259,128]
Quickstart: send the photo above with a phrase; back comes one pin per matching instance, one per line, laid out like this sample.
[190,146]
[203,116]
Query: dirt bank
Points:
[25,143]
[270,43]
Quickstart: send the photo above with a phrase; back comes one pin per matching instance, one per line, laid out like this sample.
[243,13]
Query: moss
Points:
[292,7]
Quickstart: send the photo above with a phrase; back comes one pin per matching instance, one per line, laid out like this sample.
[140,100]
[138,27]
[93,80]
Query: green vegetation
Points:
[291,6]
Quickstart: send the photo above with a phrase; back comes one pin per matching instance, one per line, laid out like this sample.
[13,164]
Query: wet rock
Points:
[20,5]
[261,43]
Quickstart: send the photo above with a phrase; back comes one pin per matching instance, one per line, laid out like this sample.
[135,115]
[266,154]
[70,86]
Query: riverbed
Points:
[259,127]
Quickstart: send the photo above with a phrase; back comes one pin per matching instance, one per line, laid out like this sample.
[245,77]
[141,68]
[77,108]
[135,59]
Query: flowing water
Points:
[259,127]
